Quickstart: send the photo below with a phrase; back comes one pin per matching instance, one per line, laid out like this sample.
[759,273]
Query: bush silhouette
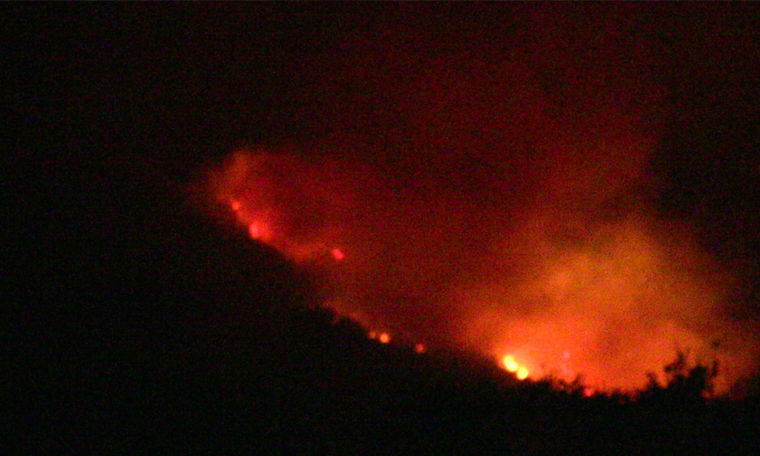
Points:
[684,382]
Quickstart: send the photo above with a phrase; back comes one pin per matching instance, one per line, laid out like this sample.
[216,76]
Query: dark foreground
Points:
[143,328]
[131,324]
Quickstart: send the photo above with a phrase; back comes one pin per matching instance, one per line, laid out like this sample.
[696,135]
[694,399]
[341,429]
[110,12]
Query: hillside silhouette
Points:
[144,327]
[134,323]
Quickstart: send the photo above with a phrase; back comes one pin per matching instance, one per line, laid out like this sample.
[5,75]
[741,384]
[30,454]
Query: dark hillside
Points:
[155,330]
[132,322]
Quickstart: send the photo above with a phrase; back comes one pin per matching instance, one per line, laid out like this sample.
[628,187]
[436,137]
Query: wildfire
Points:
[564,279]
[255,230]
[521,372]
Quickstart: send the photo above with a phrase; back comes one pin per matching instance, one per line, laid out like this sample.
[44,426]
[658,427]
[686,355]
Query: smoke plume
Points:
[490,187]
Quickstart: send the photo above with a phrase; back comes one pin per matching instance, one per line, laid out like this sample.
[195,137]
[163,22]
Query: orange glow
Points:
[510,363]
[522,373]
[556,242]
[620,293]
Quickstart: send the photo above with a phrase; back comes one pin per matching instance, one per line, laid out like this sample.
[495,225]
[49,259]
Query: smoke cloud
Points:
[490,188]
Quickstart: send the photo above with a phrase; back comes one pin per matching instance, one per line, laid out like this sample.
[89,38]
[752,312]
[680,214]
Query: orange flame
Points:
[509,363]
[554,286]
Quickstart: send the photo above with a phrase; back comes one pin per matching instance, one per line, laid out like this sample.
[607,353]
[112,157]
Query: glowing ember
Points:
[255,230]
[235,205]
[337,254]
[522,373]
[384,338]
[372,334]
[419,348]
[510,364]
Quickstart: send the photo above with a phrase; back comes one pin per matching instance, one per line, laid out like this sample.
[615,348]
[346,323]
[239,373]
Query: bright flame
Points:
[510,363]
[522,373]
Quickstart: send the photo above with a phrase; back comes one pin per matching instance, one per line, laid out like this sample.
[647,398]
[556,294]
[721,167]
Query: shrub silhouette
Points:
[684,382]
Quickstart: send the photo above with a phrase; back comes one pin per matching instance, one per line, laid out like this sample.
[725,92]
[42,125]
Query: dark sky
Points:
[177,82]
[163,91]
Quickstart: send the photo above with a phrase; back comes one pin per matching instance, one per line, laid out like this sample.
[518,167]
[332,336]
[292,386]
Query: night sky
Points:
[574,185]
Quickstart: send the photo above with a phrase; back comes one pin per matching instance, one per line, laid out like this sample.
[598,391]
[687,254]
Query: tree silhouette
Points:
[684,383]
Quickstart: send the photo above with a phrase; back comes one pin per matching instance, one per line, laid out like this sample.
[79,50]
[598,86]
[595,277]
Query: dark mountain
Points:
[134,323]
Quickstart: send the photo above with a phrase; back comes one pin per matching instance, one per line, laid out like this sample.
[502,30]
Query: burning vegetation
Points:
[502,201]
[609,293]
[461,228]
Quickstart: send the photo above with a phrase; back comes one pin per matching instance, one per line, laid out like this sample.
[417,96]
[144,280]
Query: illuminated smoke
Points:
[495,195]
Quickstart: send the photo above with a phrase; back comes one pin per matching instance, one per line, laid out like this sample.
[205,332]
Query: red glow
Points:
[560,283]
[504,207]
[255,230]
